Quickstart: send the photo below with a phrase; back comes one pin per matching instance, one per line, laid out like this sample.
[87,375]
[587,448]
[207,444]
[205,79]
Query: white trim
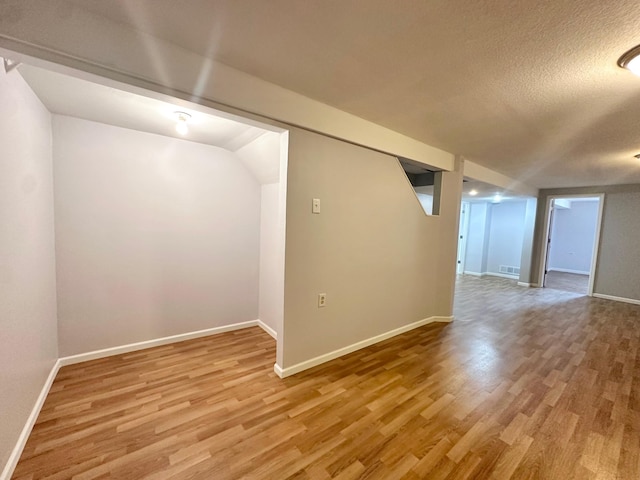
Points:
[278,370]
[524,284]
[132,347]
[12,462]
[475,274]
[617,299]
[299,367]
[268,329]
[567,270]
[463,231]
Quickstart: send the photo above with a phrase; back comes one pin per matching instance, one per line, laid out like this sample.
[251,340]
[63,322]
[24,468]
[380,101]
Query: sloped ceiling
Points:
[66,95]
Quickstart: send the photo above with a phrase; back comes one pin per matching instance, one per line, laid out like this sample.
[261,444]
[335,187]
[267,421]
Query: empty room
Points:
[319,240]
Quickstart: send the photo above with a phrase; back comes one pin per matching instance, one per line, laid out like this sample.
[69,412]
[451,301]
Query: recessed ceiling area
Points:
[75,97]
[529,89]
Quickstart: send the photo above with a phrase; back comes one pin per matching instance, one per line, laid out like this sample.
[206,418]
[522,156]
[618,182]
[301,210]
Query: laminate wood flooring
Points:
[526,384]
[569,282]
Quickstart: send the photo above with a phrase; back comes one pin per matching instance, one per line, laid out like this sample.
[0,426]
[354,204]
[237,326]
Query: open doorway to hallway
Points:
[570,252]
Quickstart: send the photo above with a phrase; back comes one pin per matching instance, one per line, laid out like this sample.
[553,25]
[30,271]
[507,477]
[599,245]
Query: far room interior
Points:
[495,232]
[570,253]
[169,216]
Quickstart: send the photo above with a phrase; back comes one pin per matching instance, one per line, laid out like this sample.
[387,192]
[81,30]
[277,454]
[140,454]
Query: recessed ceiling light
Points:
[631,60]
[497,198]
[473,192]
[182,118]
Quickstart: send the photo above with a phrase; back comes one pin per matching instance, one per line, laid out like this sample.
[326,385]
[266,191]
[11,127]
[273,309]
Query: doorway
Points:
[463,229]
[571,247]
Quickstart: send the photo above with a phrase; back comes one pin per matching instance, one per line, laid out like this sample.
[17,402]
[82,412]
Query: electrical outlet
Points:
[322,300]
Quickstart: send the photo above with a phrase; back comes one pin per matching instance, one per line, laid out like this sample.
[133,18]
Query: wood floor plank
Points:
[526,383]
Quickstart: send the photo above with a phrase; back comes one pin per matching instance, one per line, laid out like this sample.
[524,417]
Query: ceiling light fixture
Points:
[182,118]
[497,198]
[631,60]
[473,192]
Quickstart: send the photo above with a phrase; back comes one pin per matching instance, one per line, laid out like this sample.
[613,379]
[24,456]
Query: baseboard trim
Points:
[617,299]
[474,274]
[132,347]
[268,329]
[299,367]
[524,284]
[12,462]
[568,270]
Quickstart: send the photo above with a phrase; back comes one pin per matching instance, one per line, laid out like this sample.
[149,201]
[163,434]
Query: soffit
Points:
[529,89]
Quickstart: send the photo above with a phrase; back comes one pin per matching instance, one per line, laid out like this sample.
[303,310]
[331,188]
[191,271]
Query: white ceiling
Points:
[529,89]
[66,95]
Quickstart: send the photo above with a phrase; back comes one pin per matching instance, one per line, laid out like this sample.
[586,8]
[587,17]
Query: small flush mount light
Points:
[631,60]
[182,118]
[473,192]
[497,198]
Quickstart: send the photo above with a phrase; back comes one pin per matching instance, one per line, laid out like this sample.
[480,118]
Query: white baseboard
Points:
[299,367]
[11,464]
[524,284]
[617,299]
[568,270]
[268,329]
[132,347]
[493,274]
[475,274]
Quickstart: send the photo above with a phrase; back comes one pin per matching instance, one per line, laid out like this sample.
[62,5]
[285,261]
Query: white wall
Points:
[28,337]
[572,235]
[506,233]
[382,262]
[271,267]
[477,236]
[263,157]
[154,236]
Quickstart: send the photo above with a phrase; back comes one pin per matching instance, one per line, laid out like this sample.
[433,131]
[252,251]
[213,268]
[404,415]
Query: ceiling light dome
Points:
[182,119]
[631,60]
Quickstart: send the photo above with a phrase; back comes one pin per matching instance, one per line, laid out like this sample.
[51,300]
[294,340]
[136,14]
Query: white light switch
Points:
[315,205]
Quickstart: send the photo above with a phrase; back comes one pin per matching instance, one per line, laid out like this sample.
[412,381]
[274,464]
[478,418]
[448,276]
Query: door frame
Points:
[547,227]
[463,231]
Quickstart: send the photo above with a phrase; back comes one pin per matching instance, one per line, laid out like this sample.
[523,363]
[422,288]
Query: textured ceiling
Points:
[529,89]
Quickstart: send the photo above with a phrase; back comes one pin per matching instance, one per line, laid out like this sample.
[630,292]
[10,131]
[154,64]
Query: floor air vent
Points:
[509,270]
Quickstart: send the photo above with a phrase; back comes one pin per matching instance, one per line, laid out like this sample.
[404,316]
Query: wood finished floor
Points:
[569,282]
[526,383]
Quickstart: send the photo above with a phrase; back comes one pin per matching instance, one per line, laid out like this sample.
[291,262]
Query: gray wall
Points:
[381,261]
[618,271]
[28,338]
[527,240]
[155,236]
[618,265]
